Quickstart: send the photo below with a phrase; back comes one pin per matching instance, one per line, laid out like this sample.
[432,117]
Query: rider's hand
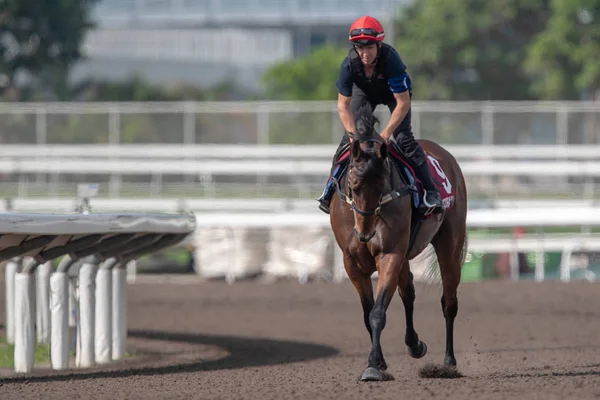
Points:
[385,134]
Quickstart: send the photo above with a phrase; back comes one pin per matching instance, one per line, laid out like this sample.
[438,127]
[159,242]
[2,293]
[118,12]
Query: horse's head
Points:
[368,172]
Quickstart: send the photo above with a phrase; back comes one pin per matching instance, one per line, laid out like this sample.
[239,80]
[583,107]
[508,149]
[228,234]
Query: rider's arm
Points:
[344,86]
[399,83]
[402,107]
[343,107]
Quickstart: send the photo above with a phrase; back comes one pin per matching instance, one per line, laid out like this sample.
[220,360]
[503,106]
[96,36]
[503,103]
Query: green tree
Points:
[469,49]
[42,38]
[564,57]
[311,77]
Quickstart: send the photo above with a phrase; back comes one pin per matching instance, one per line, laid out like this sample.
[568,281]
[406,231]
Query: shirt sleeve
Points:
[344,81]
[398,77]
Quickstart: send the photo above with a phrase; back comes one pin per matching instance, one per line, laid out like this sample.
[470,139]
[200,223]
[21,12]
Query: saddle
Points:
[409,177]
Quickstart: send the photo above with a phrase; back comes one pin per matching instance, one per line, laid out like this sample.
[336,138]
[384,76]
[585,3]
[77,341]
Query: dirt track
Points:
[275,341]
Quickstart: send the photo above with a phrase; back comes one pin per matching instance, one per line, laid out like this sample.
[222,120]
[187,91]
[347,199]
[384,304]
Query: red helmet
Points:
[366,30]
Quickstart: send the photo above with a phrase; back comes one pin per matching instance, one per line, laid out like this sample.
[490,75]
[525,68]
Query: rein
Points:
[383,198]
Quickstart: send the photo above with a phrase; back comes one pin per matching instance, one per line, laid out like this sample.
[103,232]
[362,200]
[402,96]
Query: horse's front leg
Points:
[364,287]
[389,269]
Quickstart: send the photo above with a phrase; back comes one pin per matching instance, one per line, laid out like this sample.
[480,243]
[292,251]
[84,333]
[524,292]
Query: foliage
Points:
[137,89]
[311,77]
[454,49]
[469,49]
[564,56]
[42,38]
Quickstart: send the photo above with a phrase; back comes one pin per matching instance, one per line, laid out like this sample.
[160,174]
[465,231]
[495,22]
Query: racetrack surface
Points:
[210,340]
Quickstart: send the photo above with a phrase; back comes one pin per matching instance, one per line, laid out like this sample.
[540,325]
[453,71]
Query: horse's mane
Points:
[364,122]
[364,125]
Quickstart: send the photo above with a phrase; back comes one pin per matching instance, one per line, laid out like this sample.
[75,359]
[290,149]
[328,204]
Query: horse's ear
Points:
[356,148]
[383,150]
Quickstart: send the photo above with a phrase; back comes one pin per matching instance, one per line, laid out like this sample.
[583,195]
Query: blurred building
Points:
[207,41]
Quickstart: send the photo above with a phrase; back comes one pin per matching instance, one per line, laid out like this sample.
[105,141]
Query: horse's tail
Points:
[432,270]
[464,250]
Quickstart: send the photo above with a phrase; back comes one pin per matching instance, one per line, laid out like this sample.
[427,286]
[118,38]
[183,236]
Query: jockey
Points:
[374,72]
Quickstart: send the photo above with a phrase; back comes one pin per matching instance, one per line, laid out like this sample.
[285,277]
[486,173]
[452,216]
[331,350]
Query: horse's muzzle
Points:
[362,237]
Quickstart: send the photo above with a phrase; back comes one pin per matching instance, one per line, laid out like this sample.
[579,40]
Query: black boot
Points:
[325,198]
[414,153]
[431,197]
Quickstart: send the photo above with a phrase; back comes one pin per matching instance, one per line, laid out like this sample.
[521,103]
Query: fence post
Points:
[85,355]
[11,269]
[114,138]
[416,121]
[42,273]
[263,125]
[336,128]
[103,335]
[24,322]
[59,304]
[562,124]
[189,123]
[119,311]
[41,126]
[189,133]
[487,124]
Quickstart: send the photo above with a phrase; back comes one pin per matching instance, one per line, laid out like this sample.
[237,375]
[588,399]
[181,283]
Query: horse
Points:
[378,228]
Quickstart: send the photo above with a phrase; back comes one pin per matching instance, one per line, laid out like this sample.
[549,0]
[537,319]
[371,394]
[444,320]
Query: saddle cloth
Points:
[442,182]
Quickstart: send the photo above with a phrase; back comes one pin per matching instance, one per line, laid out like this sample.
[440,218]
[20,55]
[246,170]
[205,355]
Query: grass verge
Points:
[7,354]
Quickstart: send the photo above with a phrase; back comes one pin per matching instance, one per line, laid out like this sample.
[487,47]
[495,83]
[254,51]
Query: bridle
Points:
[383,198]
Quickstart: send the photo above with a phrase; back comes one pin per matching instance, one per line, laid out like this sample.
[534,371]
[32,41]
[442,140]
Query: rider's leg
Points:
[336,171]
[411,148]
[413,151]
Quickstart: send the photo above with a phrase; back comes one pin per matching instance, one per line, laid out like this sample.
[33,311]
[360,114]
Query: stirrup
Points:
[430,207]
[323,208]
[326,196]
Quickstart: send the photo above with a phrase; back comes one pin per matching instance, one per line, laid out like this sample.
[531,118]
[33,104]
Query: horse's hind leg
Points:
[448,244]
[406,289]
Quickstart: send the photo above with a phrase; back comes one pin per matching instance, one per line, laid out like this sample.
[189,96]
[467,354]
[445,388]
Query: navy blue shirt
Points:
[398,79]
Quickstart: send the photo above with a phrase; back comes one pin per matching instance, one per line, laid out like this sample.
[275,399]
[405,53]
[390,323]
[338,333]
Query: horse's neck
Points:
[395,182]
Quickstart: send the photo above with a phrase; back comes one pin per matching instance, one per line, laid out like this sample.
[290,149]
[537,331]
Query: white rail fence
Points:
[239,205]
[301,122]
[301,245]
[237,238]
[300,170]
[88,288]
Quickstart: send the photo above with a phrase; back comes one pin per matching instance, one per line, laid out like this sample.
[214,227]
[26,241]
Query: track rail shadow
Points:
[243,352]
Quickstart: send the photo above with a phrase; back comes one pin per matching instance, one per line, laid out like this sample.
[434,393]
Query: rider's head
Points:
[366,34]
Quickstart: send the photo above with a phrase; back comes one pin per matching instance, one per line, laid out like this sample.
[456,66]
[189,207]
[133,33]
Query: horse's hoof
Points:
[372,374]
[419,352]
[449,361]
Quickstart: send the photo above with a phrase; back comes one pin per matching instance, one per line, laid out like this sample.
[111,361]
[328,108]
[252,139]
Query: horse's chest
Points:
[363,256]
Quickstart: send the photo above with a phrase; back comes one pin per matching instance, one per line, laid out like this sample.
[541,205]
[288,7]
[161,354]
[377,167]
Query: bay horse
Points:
[378,228]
